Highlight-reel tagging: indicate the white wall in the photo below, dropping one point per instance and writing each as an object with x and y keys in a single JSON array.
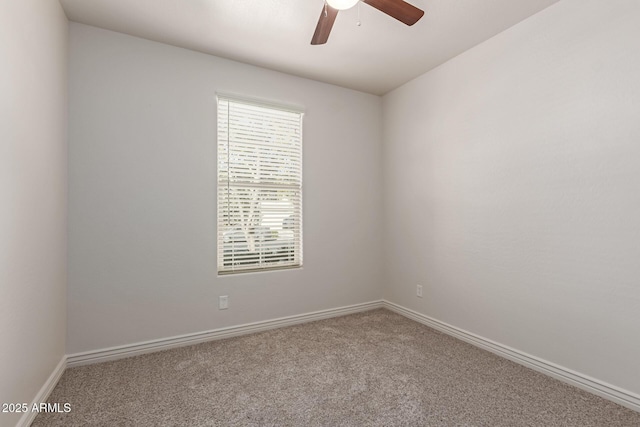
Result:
[
  {"x": 512, "y": 189},
  {"x": 33, "y": 196},
  {"x": 142, "y": 207}
]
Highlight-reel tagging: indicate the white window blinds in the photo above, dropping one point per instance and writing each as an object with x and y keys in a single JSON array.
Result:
[{"x": 259, "y": 187}]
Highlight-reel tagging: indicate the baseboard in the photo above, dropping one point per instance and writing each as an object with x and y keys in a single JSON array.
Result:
[
  {"x": 129, "y": 350},
  {"x": 42, "y": 396},
  {"x": 584, "y": 382}
]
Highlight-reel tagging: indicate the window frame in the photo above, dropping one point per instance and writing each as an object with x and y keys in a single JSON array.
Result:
[{"x": 298, "y": 243}]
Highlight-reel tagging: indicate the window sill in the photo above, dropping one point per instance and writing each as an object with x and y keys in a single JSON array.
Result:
[{"x": 257, "y": 271}]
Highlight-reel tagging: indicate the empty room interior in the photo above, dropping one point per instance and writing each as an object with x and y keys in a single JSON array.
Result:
[{"x": 310, "y": 213}]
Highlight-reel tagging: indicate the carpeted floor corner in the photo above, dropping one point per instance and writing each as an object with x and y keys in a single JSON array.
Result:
[{"x": 370, "y": 369}]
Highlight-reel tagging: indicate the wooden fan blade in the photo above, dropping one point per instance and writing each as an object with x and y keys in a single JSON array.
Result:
[
  {"x": 402, "y": 11},
  {"x": 325, "y": 23}
]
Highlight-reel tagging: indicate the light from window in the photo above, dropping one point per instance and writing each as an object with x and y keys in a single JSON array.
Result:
[{"x": 259, "y": 187}]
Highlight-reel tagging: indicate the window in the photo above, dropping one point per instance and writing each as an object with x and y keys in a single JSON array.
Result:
[{"x": 259, "y": 186}]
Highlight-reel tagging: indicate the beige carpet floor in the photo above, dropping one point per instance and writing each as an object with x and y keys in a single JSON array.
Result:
[{"x": 369, "y": 369}]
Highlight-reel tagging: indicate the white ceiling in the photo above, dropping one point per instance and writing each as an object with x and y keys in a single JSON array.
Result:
[{"x": 375, "y": 57}]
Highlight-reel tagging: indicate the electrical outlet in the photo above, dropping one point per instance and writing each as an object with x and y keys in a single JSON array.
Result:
[
  {"x": 419, "y": 291},
  {"x": 223, "y": 302}
]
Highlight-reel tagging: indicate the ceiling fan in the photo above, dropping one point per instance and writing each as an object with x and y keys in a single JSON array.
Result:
[{"x": 398, "y": 9}]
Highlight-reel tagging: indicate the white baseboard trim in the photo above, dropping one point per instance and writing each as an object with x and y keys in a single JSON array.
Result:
[
  {"x": 584, "y": 382},
  {"x": 42, "y": 396},
  {"x": 113, "y": 353}
]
